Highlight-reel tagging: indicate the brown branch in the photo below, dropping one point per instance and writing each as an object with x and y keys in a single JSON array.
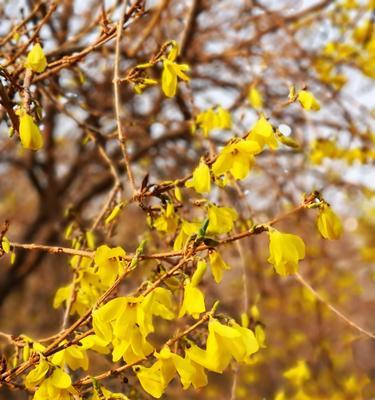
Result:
[
  {"x": 123, "y": 138},
  {"x": 343, "y": 317}
]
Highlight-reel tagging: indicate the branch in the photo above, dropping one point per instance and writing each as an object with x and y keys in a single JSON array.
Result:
[{"x": 116, "y": 80}]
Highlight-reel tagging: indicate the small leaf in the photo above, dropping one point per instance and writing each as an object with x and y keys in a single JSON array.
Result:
[{"x": 114, "y": 213}]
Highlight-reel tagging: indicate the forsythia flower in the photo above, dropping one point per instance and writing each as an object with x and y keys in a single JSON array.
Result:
[
  {"x": 105, "y": 394},
  {"x": 223, "y": 343},
  {"x": 329, "y": 223},
  {"x": 73, "y": 356},
  {"x": 186, "y": 231},
  {"x": 110, "y": 263},
  {"x": 172, "y": 71},
  {"x": 260, "y": 335},
  {"x": 285, "y": 251},
  {"x": 58, "y": 387},
  {"x": 151, "y": 379},
  {"x": 263, "y": 134},
  {"x": 36, "y": 375},
  {"x": 193, "y": 303},
  {"x": 170, "y": 362},
  {"x": 159, "y": 303},
  {"x": 308, "y": 101},
  {"x": 210, "y": 119},
  {"x": 36, "y": 60},
  {"x": 299, "y": 373},
  {"x": 156, "y": 378},
  {"x": 255, "y": 98},
  {"x": 143, "y": 83},
  {"x": 30, "y": 135},
  {"x": 221, "y": 219},
  {"x": 218, "y": 265},
  {"x": 236, "y": 158},
  {"x": 201, "y": 180},
  {"x": 167, "y": 221},
  {"x": 126, "y": 322}
]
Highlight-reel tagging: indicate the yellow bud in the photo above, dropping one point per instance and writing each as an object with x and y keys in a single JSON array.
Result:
[
  {"x": 255, "y": 98},
  {"x": 36, "y": 60},
  {"x": 308, "y": 101},
  {"x": 199, "y": 272},
  {"x": 30, "y": 135}
]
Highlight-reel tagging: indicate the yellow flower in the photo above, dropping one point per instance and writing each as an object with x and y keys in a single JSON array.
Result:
[
  {"x": 187, "y": 229},
  {"x": 210, "y": 119},
  {"x": 308, "y": 101},
  {"x": 260, "y": 335},
  {"x": 218, "y": 265},
  {"x": 159, "y": 302},
  {"x": 105, "y": 394},
  {"x": 73, "y": 356},
  {"x": 167, "y": 221},
  {"x": 329, "y": 223},
  {"x": 151, "y": 379},
  {"x": 189, "y": 372},
  {"x": 36, "y": 375},
  {"x": 223, "y": 118},
  {"x": 143, "y": 83},
  {"x": 36, "y": 60},
  {"x": 30, "y": 347},
  {"x": 201, "y": 180},
  {"x": 285, "y": 251},
  {"x": 110, "y": 262},
  {"x": 237, "y": 158},
  {"x": 299, "y": 373},
  {"x": 221, "y": 219},
  {"x": 255, "y": 98},
  {"x": 127, "y": 321},
  {"x": 223, "y": 343},
  {"x": 30, "y": 135},
  {"x": 172, "y": 71},
  {"x": 263, "y": 134},
  {"x": 170, "y": 363},
  {"x": 131, "y": 349},
  {"x": 58, "y": 386},
  {"x": 193, "y": 303},
  {"x": 95, "y": 343}
]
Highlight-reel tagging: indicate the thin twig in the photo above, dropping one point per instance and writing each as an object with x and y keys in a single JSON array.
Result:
[
  {"x": 116, "y": 81},
  {"x": 319, "y": 297}
]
